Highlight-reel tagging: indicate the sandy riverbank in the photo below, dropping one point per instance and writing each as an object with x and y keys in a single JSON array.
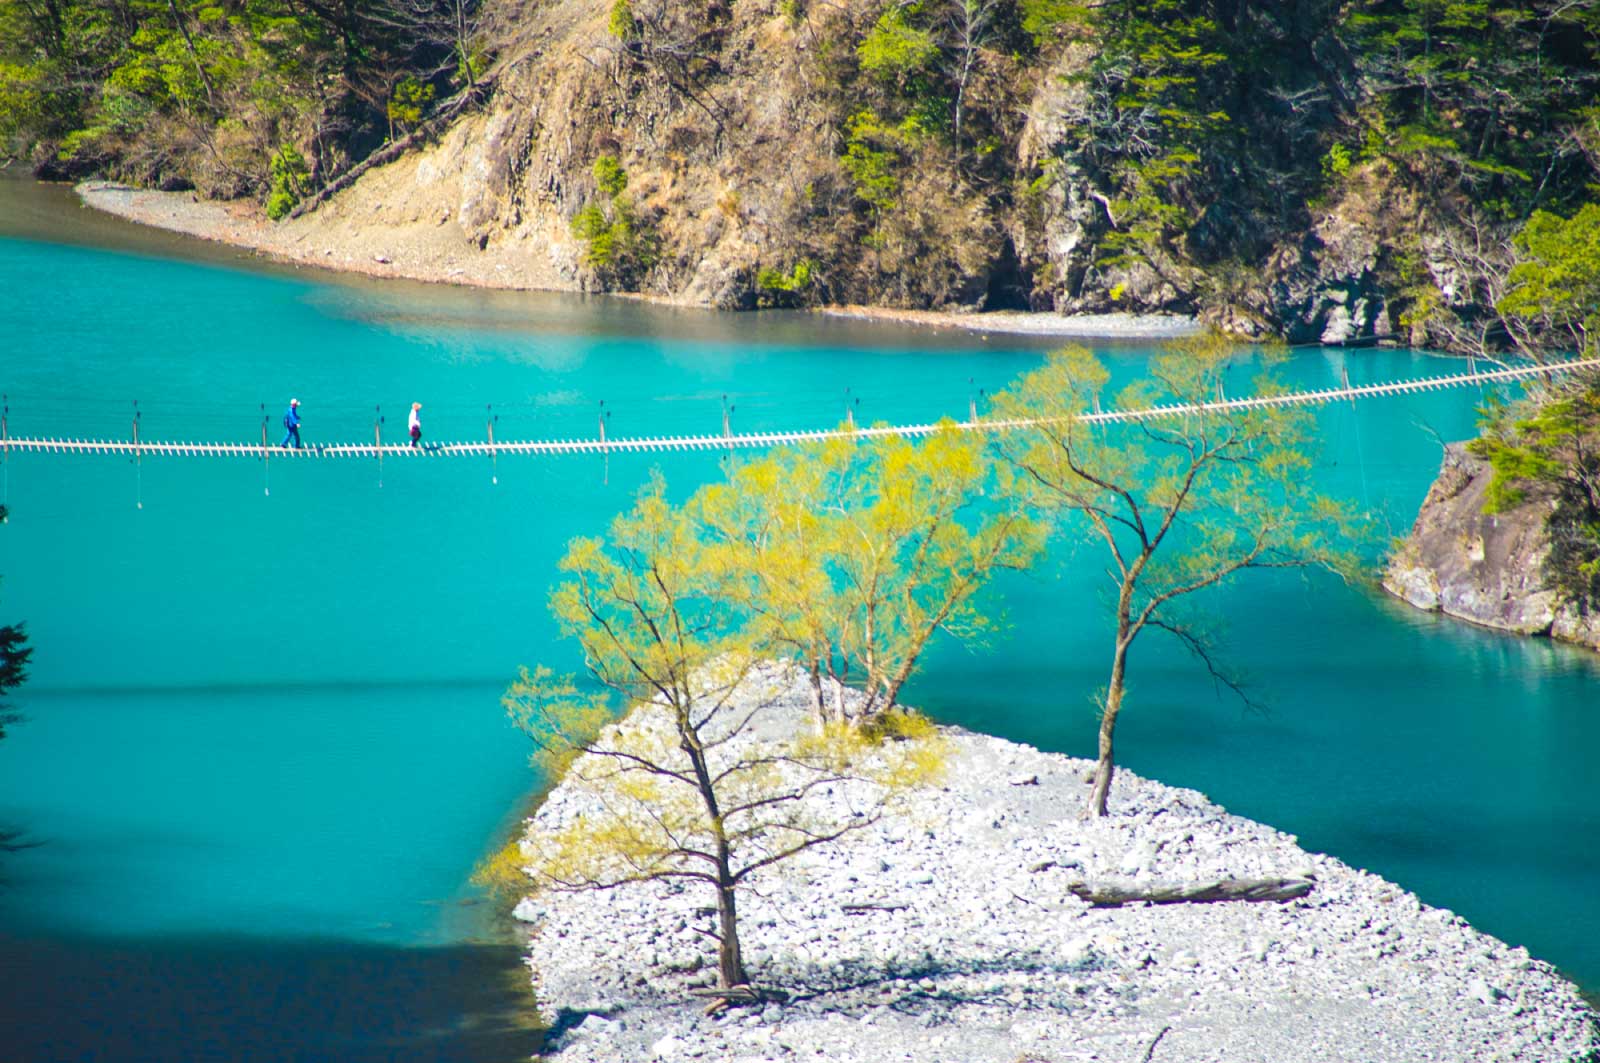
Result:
[
  {"x": 325, "y": 240},
  {"x": 951, "y": 934},
  {"x": 434, "y": 251}
]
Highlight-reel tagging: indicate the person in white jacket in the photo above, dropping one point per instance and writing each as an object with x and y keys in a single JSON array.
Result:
[{"x": 415, "y": 424}]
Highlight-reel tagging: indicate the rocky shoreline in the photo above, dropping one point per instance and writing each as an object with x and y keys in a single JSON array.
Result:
[
  {"x": 431, "y": 253},
  {"x": 1481, "y": 567},
  {"x": 951, "y": 933}
]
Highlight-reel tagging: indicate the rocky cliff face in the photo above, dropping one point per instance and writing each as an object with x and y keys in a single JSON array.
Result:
[
  {"x": 1320, "y": 280},
  {"x": 718, "y": 178},
  {"x": 1486, "y": 568},
  {"x": 742, "y": 161},
  {"x": 1270, "y": 168}
]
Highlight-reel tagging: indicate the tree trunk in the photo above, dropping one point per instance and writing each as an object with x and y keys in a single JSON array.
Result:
[
  {"x": 1106, "y": 767},
  {"x": 462, "y": 34},
  {"x": 818, "y": 705},
  {"x": 730, "y": 961},
  {"x": 839, "y": 713},
  {"x": 199, "y": 67}
]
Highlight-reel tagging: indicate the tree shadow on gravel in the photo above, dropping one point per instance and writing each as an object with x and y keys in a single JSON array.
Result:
[{"x": 832, "y": 984}]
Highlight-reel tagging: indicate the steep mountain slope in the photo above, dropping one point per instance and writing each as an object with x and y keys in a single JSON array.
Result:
[
  {"x": 1323, "y": 170},
  {"x": 1289, "y": 172}
]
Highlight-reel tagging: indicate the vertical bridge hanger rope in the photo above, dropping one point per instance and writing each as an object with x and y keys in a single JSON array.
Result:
[{"x": 606, "y": 444}]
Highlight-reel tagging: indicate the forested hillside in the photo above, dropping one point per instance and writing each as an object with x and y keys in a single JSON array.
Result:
[
  {"x": 234, "y": 99},
  {"x": 1319, "y": 169}
]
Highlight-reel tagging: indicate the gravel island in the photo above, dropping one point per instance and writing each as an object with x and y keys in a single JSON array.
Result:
[{"x": 952, "y": 933}]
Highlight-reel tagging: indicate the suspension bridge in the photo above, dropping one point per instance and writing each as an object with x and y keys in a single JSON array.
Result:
[{"x": 727, "y": 440}]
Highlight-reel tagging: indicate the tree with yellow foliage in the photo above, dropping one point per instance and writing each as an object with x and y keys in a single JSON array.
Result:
[
  {"x": 852, "y": 555},
  {"x": 1176, "y": 504},
  {"x": 702, "y": 780}
]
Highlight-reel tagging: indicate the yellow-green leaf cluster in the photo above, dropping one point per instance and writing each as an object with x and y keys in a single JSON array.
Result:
[{"x": 851, "y": 556}]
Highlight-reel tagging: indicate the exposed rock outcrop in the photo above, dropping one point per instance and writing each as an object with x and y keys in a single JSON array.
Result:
[
  {"x": 1486, "y": 568},
  {"x": 1323, "y": 285}
]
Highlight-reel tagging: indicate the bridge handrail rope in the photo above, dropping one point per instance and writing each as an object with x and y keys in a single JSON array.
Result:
[{"x": 491, "y": 447}]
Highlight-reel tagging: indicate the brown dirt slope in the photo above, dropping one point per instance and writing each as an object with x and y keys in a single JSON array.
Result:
[{"x": 719, "y": 170}]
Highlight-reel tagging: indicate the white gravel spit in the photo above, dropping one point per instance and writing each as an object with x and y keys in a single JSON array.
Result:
[
  {"x": 1117, "y": 325},
  {"x": 949, "y": 935}
]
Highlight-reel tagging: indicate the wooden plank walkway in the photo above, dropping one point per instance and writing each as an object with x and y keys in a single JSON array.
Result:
[{"x": 661, "y": 444}]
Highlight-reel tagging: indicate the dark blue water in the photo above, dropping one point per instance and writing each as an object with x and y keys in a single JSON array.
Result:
[{"x": 265, "y": 746}]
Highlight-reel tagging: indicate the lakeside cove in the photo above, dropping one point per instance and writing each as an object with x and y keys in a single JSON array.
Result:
[{"x": 949, "y": 932}]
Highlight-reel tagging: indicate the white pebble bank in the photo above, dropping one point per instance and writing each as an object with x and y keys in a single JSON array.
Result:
[{"x": 949, "y": 934}]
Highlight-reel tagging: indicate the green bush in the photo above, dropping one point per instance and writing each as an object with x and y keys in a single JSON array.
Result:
[
  {"x": 279, "y": 204},
  {"x": 618, "y": 245},
  {"x": 622, "y": 25},
  {"x": 290, "y": 177},
  {"x": 871, "y": 160},
  {"x": 774, "y": 287},
  {"x": 1042, "y": 18},
  {"x": 609, "y": 175},
  {"x": 595, "y": 230},
  {"x": 894, "y": 49},
  {"x": 1337, "y": 162},
  {"x": 411, "y": 97}
]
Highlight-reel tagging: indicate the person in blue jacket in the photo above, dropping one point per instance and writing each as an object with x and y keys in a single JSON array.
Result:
[{"x": 291, "y": 421}]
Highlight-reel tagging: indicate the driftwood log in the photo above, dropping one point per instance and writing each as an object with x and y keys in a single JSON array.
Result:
[{"x": 1112, "y": 895}]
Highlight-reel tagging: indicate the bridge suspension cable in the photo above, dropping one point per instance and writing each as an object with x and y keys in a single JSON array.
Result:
[{"x": 139, "y": 447}]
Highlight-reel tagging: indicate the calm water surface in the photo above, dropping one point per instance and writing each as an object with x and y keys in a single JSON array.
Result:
[{"x": 264, "y": 745}]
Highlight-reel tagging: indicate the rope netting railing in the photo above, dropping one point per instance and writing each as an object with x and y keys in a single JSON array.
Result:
[{"x": 601, "y": 444}]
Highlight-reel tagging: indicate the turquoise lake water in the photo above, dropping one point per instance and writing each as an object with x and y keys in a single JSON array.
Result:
[{"x": 264, "y": 745}]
